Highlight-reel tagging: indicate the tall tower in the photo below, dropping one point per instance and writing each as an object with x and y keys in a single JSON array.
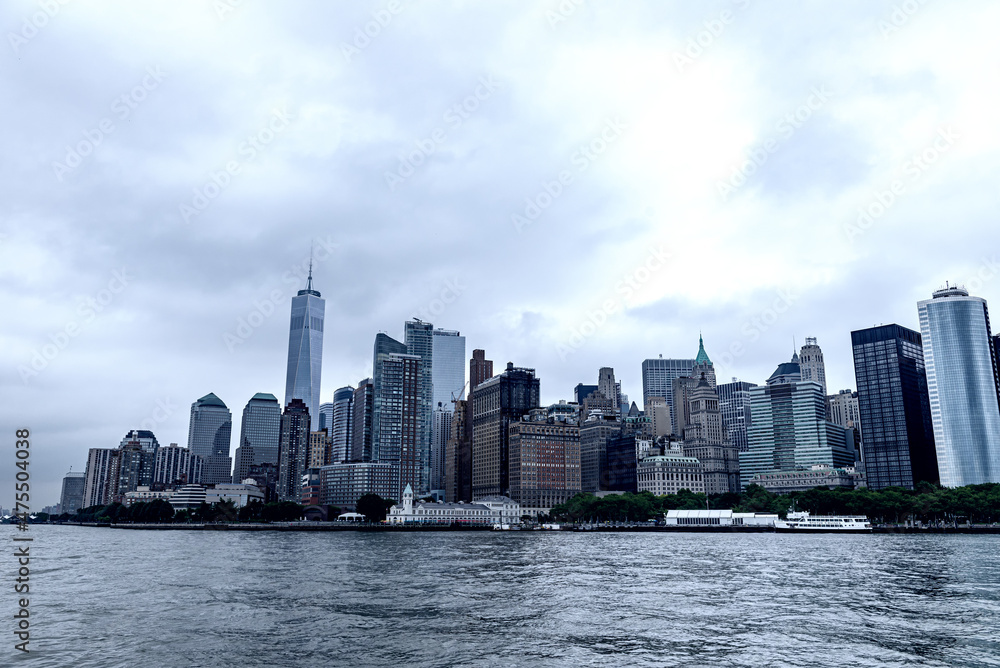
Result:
[
  {"x": 385, "y": 346},
  {"x": 658, "y": 380},
  {"x": 294, "y": 449},
  {"x": 962, "y": 386},
  {"x": 706, "y": 438},
  {"x": 400, "y": 417},
  {"x": 305, "y": 349},
  {"x": 606, "y": 385},
  {"x": 260, "y": 431},
  {"x": 811, "y": 363},
  {"x": 419, "y": 338},
  {"x": 209, "y": 436},
  {"x": 703, "y": 365},
  {"x": 361, "y": 422}
]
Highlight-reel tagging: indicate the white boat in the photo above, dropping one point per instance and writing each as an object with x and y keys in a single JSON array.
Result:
[{"x": 803, "y": 522}]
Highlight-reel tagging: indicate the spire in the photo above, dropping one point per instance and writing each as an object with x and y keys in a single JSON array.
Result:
[
  {"x": 309, "y": 281},
  {"x": 702, "y": 357}
]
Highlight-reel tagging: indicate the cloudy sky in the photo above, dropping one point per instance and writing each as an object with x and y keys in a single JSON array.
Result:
[{"x": 571, "y": 185}]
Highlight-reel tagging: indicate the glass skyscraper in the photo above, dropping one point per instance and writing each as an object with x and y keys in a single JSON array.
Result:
[
  {"x": 305, "y": 350},
  {"x": 898, "y": 443},
  {"x": 385, "y": 346},
  {"x": 962, "y": 386},
  {"x": 260, "y": 432},
  {"x": 658, "y": 378},
  {"x": 340, "y": 427},
  {"x": 419, "y": 338},
  {"x": 447, "y": 367},
  {"x": 209, "y": 436},
  {"x": 734, "y": 403}
]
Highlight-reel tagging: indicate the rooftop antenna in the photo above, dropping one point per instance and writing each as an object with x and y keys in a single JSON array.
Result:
[{"x": 309, "y": 285}]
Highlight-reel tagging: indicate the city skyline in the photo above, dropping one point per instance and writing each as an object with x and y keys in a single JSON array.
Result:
[{"x": 595, "y": 197}]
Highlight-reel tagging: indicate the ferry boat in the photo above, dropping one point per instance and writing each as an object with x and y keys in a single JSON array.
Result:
[{"x": 803, "y": 522}]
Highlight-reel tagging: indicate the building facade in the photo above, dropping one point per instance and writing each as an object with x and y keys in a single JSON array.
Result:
[
  {"x": 293, "y": 450},
  {"x": 544, "y": 462},
  {"x": 705, "y": 439},
  {"x": 73, "y": 487},
  {"x": 489, "y": 511},
  {"x": 961, "y": 386},
  {"x": 669, "y": 474},
  {"x": 811, "y": 364},
  {"x": 175, "y": 465},
  {"x": 595, "y": 432},
  {"x": 734, "y": 404},
  {"x": 305, "y": 350},
  {"x": 401, "y": 411},
  {"x": 343, "y": 484},
  {"x": 260, "y": 433},
  {"x": 210, "y": 432},
  {"x": 362, "y": 407},
  {"x": 658, "y": 379},
  {"x": 786, "y": 482},
  {"x": 341, "y": 429},
  {"x": 419, "y": 339},
  {"x": 384, "y": 347}
]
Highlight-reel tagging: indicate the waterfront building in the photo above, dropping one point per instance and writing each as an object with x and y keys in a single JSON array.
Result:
[
  {"x": 362, "y": 411},
  {"x": 384, "y": 346},
  {"x": 265, "y": 477},
  {"x": 311, "y": 487},
  {"x": 188, "y": 497},
  {"x": 544, "y": 461},
  {"x": 485, "y": 512},
  {"x": 174, "y": 465},
  {"x": 209, "y": 436},
  {"x": 669, "y": 473},
  {"x": 595, "y": 432},
  {"x": 581, "y": 392},
  {"x": 400, "y": 415},
  {"x": 102, "y": 477},
  {"x": 789, "y": 429},
  {"x": 145, "y": 494},
  {"x": 811, "y": 366},
  {"x": 440, "y": 434},
  {"x": 419, "y": 339},
  {"x": 240, "y": 494},
  {"x": 705, "y": 439},
  {"x": 73, "y": 487},
  {"x": 734, "y": 404},
  {"x": 707, "y": 518},
  {"x": 962, "y": 386},
  {"x": 293, "y": 449},
  {"x": 319, "y": 447},
  {"x": 497, "y": 403},
  {"x": 136, "y": 460},
  {"x": 786, "y": 482},
  {"x": 305, "y": 350},
  {"x": 341, "y": 485},
  {"x": 260, "y": 433},
  {"x": 340, "y": 428},
  {"x": 658, "y": 377}
]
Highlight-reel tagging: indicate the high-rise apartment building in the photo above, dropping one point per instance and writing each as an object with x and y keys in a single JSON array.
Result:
[
  {"x": 458, "y": 472},
  {"x": 658, "y": 380},
  {"x": 73, "y": 486},
  {"x": 293, "y": 450},
  {"x": 136, "y": 460},
  {"x": 440, "y": 433},
  {"x": 260, "y": 433},
  {"x": 811, "y": 365},
  {"x": 326, "y": 416},
  {"x": 962, "y": 386},
  {"x": 401, "y": 410},
  {"x": 480, "y": 370},
  {"x": 497, "y": 403},
  {"x": 319, "y": 449},
  {"x": 362, "y": 409},
  {"x": 102, "y": 477},
  {"x": 305, "y": 350},
  {"x": 419, "y": 339},
  {"x": 893, "y": 407},
  {"x": 385, "y": 346},
  {"x": 209, "y": 436},
  {"x": 544, "y": 461},
  {"x": 175, "y": 465},
  {"x": 340, "y": 429},
  {"x": 734, "y": 404}
]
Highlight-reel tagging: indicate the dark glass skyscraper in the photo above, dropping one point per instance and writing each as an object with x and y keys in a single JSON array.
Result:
[
  {"x": 419, "y": 338},
  {"x": 898, "y": 447},
  {"x": 385, "y": 345},
  {"x": 339, "y": 430},
  {"x": 305, "y": 350},
  {"x": 260, "y": 432},
  {"x": 658, "y": 377},
  {"x": 362, "y": 407},
  {"x": 293, "y": 450},
  {"x": 400, "y": 416},
  {"x": 209, "y": 436},
  {"x": 734, "y": 403}
]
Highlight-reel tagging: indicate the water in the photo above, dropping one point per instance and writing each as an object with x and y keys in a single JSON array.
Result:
[{"x": 102, "y": 597}]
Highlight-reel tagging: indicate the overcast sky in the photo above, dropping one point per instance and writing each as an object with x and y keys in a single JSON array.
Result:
[{"x": 571, "y": 185}]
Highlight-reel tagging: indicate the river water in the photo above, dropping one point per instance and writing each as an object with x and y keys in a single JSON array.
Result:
[{"x": 106, "y": 597}]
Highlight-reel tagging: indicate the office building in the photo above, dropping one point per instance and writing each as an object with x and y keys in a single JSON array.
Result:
[
  {"x": 458, "y": 472},
  {"x": 581, "y": 392},
  {"x": 670, "y": 473},
  {"x": 659, "y": 412},
  {"x": 440, "y": 433},
  {"x": 447, "y": 367},
  {"x": 260, "y": 432},
  {"x": 305, "y": 350},
  {"x": 705, "y": 439},
  {"x": 497, "y": 403},
  {"x": 607, "y": 386},
  {"x": 811, "y": 365},
  {"x": 595, "y": 432},
  {"x": 734, "y": 404},
  {"x": 623, "y": 455},
  {"x": 658, "y": 380},
  {"x": 786, "y": 482},
  {"x": 341, "y": 429},
  {"x": 319, "y": 448},
  {"x": 544, "y": 461},
  {"x": 174, "y": 465},
  {"x": 961, "y": 386},
  {"x": 73, "y": 487},
  {"x": 326, "y": 415},
  {"x": 341, "y": 485},
  {"x": 209, "y": 436},
  {"x": 293, "y": 450},
  {"x": 844, "y": 409},
  {"x": 362, "y": 410},
  {"x": 480, "y": 370},
  {"x": 703, "y": 365}
]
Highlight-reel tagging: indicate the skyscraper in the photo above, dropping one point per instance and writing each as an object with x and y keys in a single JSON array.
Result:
[
  {"x": 734, "y": 404},
  {"x": 497, "y": 403},
  {"x": 961, "y": 386},
  {"x": 326, "y": 415},
  {"x": 293, "y": 450},
  {"x": 544, "y": 461},
  {"x": 789, "y": 430},
  {"x": 440, "y": 434},
  {"x": 385, "y": 345},
  {"x": 480, "y": 370},
  {"x": 305, "y": 350},
  {"x": 209, "y": 436},
  {"x": 102, "y": 477},
  {"x": 71, "y": 498},
  {"x": 419, "y": 339},
  {"x": 175, "y": 465},
  {"x": 658, "y": 378},
  {"x": 893, "y": 407},
  {"x": 340, "y": 429},
  {"x": 811, "y": 364},
  {"x": 400, "y": 416},
  {"x": 703, "y": 365},
  {"x": 607, "y": 386},
  {"x": 705, "y": 438},
  {"x": 595, "y": 432},
  {"x": 362, "y": 407},
  {"x": 447, "y": 367},
  {"x": 260, "y": 433},
  {"x": 136, "y": 460},
  {"x": 845, "y": 410}
]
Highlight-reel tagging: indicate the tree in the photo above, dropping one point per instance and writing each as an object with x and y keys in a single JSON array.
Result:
[{"x": 373, "y": 507}]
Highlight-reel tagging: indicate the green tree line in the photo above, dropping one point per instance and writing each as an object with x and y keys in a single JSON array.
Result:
[
  {"x": 927, "y": 503},
  {"x": 160, "y": 511}
]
